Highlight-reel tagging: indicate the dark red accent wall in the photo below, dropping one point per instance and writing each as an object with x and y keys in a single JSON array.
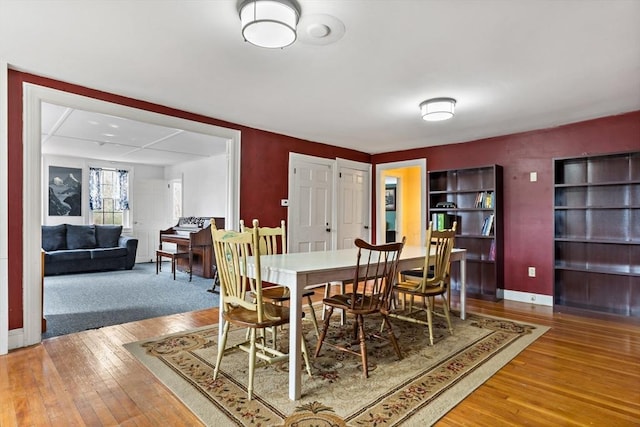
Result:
[
  {"x": 528, "y": 216},
  {"x": 528, "y": 222},
  {"x": 263, "y": 182}
]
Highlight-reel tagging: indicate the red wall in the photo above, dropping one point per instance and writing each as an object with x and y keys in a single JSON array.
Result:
[
  {"x": 263, "y": 182},
  {"x": 528, "y": 213},
  {"x": 528, "y": 222}
]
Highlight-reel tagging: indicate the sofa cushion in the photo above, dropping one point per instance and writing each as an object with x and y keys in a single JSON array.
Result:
[
  {"x": 108, "y": 253},
  {"x": 81, "y": 237},
  {"x": 66, "y": 255},
  {"x": 107, "y": 235},
  {"x": 54, "y": 237}
]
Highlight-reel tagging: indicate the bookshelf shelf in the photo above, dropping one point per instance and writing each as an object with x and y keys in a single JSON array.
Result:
[
  {"x": 597, "y": 233},
  {"x": 476, "y": 194}
]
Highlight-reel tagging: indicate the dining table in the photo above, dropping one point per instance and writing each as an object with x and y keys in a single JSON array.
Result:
[{"x": 301, "y": 270}]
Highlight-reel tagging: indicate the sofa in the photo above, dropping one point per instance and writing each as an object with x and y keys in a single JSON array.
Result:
[{"x": 81, "y": 248}]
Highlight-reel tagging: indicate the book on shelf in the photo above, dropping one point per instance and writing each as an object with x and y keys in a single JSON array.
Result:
[
  {"x": 488, "y": 200},
  {"x": 492, "y": 251},
  {"x": 479, "y": 200},
  {"x": 442, "y": 221},
  {"x": 487, "y": 225}
]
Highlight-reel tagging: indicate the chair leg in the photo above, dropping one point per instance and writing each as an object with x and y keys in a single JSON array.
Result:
[
  {"x": 314, "y": 319},
  {"x": 305, "y": 355},
  {"x": 430, "y": 318},
  {"x": 221, "y": 346},
  {"x": 363, "y": 345},
  {"x": 392, "y": 336},
  {"x": 445, "y": 305},
  {"x": 325, "y": 327},
  {"x": 252, "y": 362}
]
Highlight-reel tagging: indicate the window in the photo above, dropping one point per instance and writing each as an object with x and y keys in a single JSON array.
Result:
[{"x": 109, "y": 196}]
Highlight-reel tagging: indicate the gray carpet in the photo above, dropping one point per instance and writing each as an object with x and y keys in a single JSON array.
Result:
[{"x": 77, "y": 302}]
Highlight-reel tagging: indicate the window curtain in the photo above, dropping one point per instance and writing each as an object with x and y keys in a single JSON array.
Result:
[
  {"x": 122, "y": 190},
  {"x": 95, "y": 189}
]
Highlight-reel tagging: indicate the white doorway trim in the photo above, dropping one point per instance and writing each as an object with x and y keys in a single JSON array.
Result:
[
  {"x": 4, "y": 210},
  {"x": 380, "y": 209},
  {"x": 34, "y": 95}
]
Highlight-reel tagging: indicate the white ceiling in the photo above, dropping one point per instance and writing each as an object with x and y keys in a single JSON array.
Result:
[
  {"x": 77, "y": 133},
  {"x": 512, "y": 65}
]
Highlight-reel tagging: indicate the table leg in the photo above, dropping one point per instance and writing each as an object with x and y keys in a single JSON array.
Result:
[
  {"x": 463, "y": 286},
  {"x": 295, "y": 343}
]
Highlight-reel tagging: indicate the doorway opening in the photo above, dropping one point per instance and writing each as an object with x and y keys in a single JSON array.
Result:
[
  {"x": 405, "y": 215},
  {"x": 32, "y": 214}
]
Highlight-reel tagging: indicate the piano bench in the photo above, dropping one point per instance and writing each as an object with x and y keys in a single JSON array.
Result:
[{"x": 173, "y": 255}]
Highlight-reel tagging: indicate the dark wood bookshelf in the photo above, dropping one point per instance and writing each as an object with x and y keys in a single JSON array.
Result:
[
  {"x": 597, "y": 233},
  {"x": 462, "y": 188}
]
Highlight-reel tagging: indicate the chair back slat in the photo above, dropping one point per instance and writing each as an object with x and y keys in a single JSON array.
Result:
[
  {"x": 440, "y": 244},
  {"x": 272, "y": 240},
  {"x": 232, "y": 248},
  {"x": 375, "y": 274}
]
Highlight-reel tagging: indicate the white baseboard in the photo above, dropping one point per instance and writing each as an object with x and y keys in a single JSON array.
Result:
[
  {"x": 16, "y": 338},
  {"x": 531, "y": 298}
]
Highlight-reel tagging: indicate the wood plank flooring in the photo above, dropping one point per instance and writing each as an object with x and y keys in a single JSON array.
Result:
[{"x": 584, "y": 371}]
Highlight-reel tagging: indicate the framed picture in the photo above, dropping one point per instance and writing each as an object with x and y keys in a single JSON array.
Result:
[
  {"x": 65, "y": 191},
  {"x": 390, "y": 198}
]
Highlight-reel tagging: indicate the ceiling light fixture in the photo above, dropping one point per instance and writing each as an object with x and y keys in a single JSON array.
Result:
[
  {"x": 269, "y": 23},
  {"x": 437, "y": 109}
]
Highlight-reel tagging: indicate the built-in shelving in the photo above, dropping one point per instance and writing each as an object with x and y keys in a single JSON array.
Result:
[
  {"x": 597, "y": 233},
  {"x": 473, "y": 198}
]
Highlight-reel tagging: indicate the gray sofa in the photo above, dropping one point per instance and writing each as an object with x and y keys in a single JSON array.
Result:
[{"x": 81, "y": 248}]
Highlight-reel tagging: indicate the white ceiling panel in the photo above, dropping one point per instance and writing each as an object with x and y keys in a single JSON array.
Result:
[
  {"x": 84, "y": 134},
  {"x": 193, "y": 143}
]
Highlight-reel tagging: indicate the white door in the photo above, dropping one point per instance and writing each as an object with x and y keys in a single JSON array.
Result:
[
  {"x": 151, "y": 213},
  {"x": 353, "y": 206},
  {"x": 310, "y": 201}
]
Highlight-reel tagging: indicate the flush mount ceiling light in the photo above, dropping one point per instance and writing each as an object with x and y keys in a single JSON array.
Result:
[
  {"x": 437, "y": 109},
  {"x": 269, "y": 23}
]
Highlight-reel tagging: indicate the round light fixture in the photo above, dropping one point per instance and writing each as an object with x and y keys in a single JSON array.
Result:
[
  {"x": 437, "y": 109},
  {"x": 269, "y": 23}
]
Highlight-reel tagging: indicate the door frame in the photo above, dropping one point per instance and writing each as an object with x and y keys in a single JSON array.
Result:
[
  {"x": 379, "y": 196},
  {"x": 4, "y": 209},
  {"x": 33, "y": 96}
]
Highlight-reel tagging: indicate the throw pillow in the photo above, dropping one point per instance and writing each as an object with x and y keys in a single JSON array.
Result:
[
  {"x": 54, "y": 237},
  {"x": 107, "y": 236},
  {"x": 81, "y": 236}
]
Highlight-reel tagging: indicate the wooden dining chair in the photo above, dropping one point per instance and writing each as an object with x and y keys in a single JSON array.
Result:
[
  {"x": 434, "y": 282},
  {"x": 231, "y": 250},
  {"x": 373, "y": 280},
  {"x": 273, "y": 240}
]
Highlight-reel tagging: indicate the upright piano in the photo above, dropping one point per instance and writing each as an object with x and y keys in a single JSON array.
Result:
[{"x": 193, "y": 235}]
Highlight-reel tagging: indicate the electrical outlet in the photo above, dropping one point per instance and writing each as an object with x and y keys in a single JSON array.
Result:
[{"x": 532, "y": 272}]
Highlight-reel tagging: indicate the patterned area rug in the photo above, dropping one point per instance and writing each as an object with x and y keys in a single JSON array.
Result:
[{"x": 417, "y": 390}]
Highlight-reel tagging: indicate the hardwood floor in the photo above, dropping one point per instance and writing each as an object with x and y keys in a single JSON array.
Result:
[{"x": 584, "y": 371}]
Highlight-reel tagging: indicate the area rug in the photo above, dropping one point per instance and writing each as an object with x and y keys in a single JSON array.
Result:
[{"x": 417, "y": 390}]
